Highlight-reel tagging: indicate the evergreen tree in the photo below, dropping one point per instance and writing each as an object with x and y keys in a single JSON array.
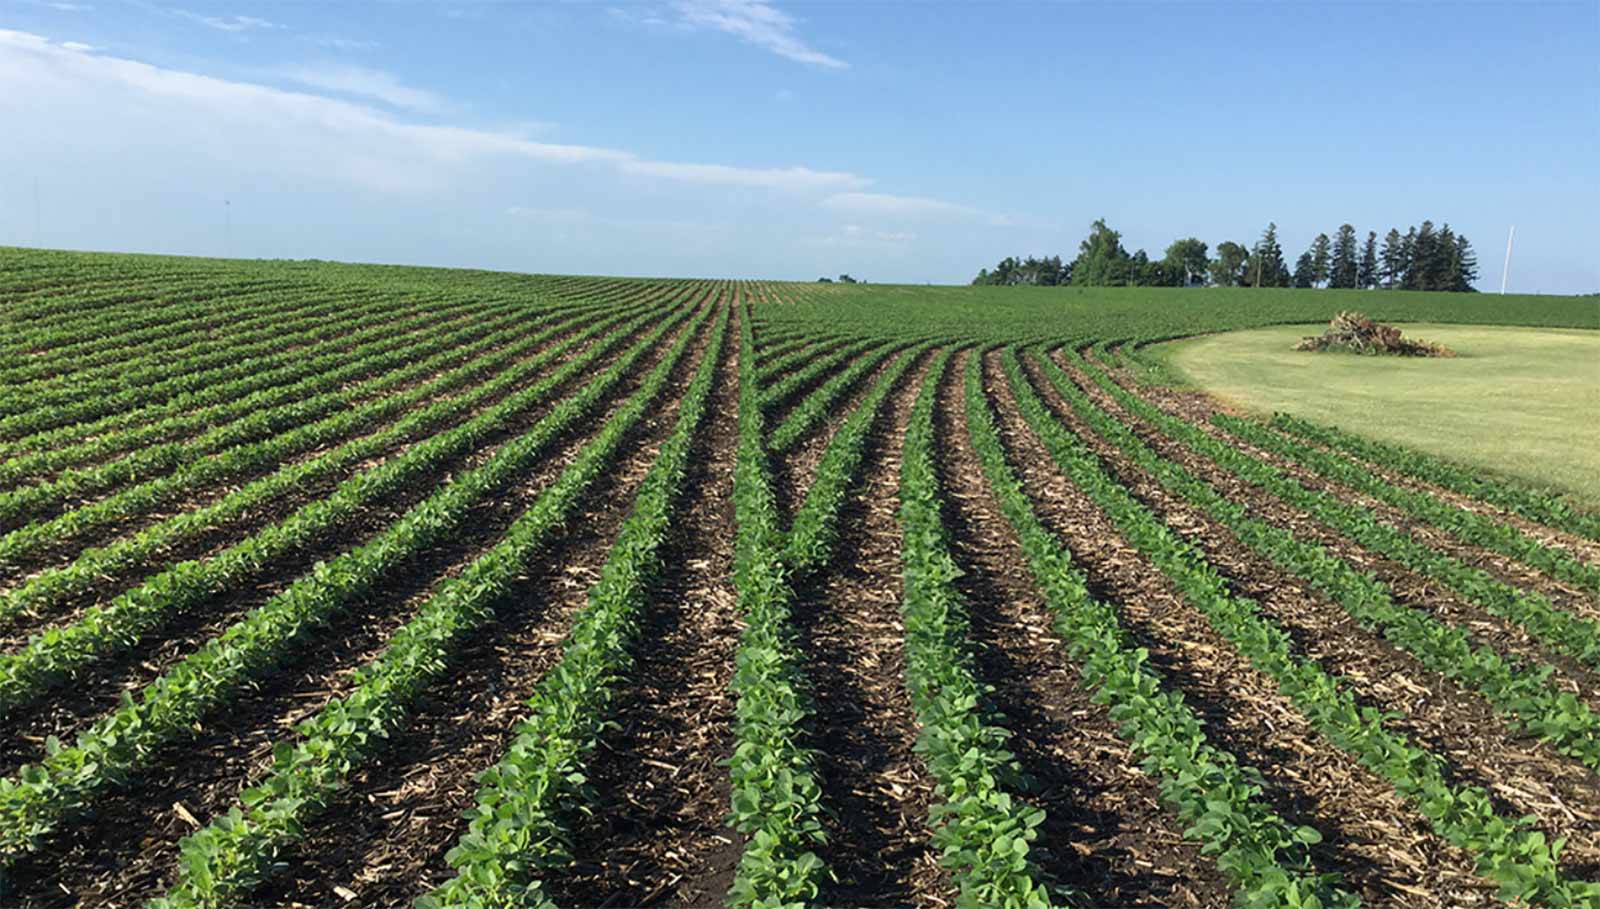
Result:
[
  {"x": 1408, "y": 260},
  {"x": 1319, "y": 259},
  {"x": 1424, "y": 256},
  {"x": 1466, "y": 266},
  {"x": 1267, "y": 260},
  {"x": 1229, "y": 268},
  {"x": 1442, "y": 264},
  {"x": 1305, "y": 270},
  {"x": 1367, "y": 273},
  {"x": 1342, "y": 272},
  {"x": 1394, "y": 259}
]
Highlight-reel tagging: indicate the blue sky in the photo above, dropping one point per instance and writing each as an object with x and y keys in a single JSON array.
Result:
[{"x": 895, "y": 141}]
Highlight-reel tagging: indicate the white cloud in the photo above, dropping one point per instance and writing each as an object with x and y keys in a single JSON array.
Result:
[
  {"x": 345, "y": 79},
  {"x": 341, "y": 44},
  {"x": 79, "y": 46},
  {"x": 71, "y": 7},
  {"x": 255, "y": 128},
  {"x": 913, "y": 207},
  {"x": 755, "y": 22},
  {"x": 225, "y": 23}
]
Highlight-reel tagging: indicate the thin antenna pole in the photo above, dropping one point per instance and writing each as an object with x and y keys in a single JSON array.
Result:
[{"x": 1505, "y": 271}]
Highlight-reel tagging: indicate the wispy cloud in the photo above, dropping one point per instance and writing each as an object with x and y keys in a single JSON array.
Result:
[
  {"x": 341, "y": 44},
  {"x": 328, "y": 137},
  {"x": 361, "y": 81},
  {"x": 756, "y": 22},
  {"x": 906, "y": 207},
  {"x": 79, "y": 46},
  {"x": 225, "y": 23}
]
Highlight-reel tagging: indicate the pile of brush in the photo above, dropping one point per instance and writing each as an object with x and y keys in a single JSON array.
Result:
[{"x": 1355, "y": 333}]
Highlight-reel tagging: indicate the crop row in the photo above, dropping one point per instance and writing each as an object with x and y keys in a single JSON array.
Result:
[
  {"x": 1218, "y": 798},
  {"x": 117, "y": 746},
  {"x": 1467, "y": 525},
  {"x": 813, "y": 531},
  {"x": 232, "y": 401},
  {"x": 60, "y": 652},
  {"x": 816, "y": 407},
  {"x": 1524, "y": 694},
  {"x": 375, "y": 356},
  {"x": 1508, "y": 851},
  {"x": 779, "y": 392},
  {"x": 296, "y": 322},
  {"x": 226, "y": 466},
  {"x": 222, "y": 862},
  {"x": 776, "y": 799},
  {"x": 519, "y": 823},
  {"x": 1530, "y": 503},
  {"x": 1570, "y": 634},
  {"x": 983, "y": 831}
]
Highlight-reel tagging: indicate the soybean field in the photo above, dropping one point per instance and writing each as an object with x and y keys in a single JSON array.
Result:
[{"x": 346, "y": 585}]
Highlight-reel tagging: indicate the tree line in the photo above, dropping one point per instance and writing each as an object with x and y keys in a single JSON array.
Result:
[{"x": 1423, "y": 258}]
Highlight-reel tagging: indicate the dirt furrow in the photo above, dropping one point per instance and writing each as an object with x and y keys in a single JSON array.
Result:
[
  {"x": 97, "y": 861},
  {"x": 874, "y": 787},
  {"x": 1386, "y": 852},
  {"x": 1106, "y": 833},
  {"x": 1529, "y": 778},
  {"x": 658, "y": 837}
]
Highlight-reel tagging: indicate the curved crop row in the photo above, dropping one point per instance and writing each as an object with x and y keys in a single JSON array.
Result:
[
  {"x": 42, "y": 796},
  {"x": 1508, "y": 851},
  {"x": 1530, "y": 503},
  {"x": 383, "y": 357},
  {"x": 790, "y": 385},
  {"x": 1523, "y": 694},
  {"x": 1570, "y": 634},
  {"x": 789, "y": 356},
  {"x": 816, "y": 407},
  {"x": 228, "y": 465},
  {"x": 269, "y": 341},
  {"x": 223, "y": 861},
  {"x": 61, "y": 652},
  {"x": 384, "y": 367},
  {"x": 123, "y": 432},
  {"x": 62, "y": 371},
  {"x": 1466, "y": 525},
  {"x": 1219, "y": 799},
  {"x": 815, "y": 526}
]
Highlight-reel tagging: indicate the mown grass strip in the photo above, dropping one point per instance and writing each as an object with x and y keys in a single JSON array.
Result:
[
  {"x": 220, "y": 864},
  {"x": 1509, "y": 852},
  {"x": 35, "y": 802}
]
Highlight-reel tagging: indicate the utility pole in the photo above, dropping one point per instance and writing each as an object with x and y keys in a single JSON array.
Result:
[{"x": 1505, "y": 271}]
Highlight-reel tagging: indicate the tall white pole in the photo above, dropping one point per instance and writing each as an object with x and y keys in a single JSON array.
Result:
[{"x": 1505, "y": 271}]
